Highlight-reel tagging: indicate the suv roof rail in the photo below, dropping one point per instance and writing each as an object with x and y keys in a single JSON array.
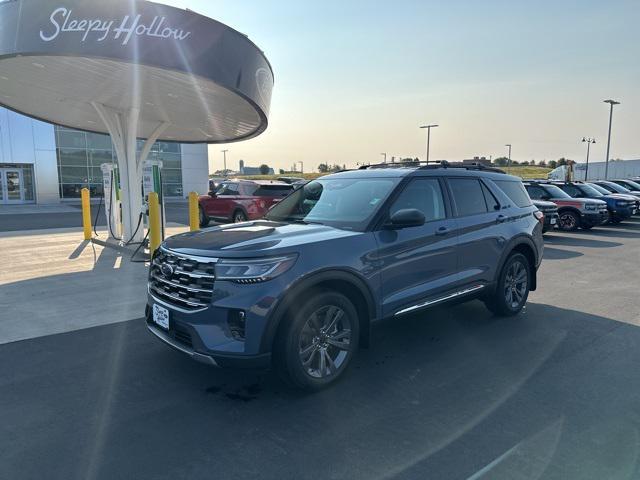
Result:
[{"x": 434, "y": 165}]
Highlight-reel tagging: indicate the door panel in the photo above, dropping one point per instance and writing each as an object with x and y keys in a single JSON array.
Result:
[
  {"x": 481, "y": 224},
  {"x": 418, "y": 263}
]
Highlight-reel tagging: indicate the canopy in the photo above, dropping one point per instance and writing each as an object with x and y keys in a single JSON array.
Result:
[{"x": 132, "y": 69}]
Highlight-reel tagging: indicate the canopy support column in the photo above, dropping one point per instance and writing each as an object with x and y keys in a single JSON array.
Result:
[{"x": 123, "y": 128}]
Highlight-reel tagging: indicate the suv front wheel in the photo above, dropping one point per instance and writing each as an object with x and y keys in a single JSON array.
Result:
[
  {"x": 512, "y": 290},
  {"x": 568, "y": 221},
  {"x": 317, "y": 343}
]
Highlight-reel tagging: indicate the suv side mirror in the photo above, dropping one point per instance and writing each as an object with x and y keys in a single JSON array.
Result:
[
  {"x": 407, "y": 217},
  {"x": 212, "y": 194}
]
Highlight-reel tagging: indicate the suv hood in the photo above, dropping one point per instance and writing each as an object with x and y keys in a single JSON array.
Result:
[
  {"x": 578, "y": 201},
  {"x": 541, "y": 204},
  {"x": 252, "y": 239}
]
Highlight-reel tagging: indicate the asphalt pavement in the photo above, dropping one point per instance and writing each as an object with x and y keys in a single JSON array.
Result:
[{"x": 451, "y": 393}]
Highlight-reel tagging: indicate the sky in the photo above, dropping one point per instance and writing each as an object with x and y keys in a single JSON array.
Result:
[{"x": 354, "y": 79}]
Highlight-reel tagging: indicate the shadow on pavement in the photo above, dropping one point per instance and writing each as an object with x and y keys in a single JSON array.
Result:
[
  {"x": 551, "y": 253},
  {"x": 446, "y": 394},
  {"x": 579, "y": 241}
]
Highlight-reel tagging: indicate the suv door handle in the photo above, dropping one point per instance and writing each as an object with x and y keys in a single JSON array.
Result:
[
  {"x": 443, "y": 231},
  {"x": 501, "y": 219}
]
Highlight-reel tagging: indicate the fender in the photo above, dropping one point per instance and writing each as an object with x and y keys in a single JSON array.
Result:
[
  {"x": 571, "y": 208},
  {"x": 513, "y": 243},
  {"x": 308, "y": 282}
]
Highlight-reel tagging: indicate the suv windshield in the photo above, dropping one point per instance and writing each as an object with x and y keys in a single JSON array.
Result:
[
  {"x": 555, "y": 192},
  {"x": 339, "y": 202},
  {"x": 614, "y": 187},
  {"x": 598, "y": 188},
  {"x": 589, "y": 191}
]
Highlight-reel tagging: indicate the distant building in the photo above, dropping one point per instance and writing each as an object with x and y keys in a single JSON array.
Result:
[
  {"x": 478, "y": 160},
  {"x": 252, "y": 170}
]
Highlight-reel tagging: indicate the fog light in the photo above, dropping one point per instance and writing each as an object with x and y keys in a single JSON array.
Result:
[{"x": 236, "y": 323}]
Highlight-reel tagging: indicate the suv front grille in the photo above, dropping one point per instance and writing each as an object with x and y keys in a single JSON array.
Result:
[{"x": 187, "y": 282}]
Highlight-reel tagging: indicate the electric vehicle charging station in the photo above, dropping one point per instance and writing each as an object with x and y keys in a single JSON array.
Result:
[
  {"x": 111, "y": 187},
  {"x": 132, "y": 69},
  {"x": 152, "y": 182}
]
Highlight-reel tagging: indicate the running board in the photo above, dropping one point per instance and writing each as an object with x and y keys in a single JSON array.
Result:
[{"x": 460, "y": 293}]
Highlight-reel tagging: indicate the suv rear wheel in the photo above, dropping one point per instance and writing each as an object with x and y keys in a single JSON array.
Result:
[
  {"x": 568, "y": 221},
  {"x": 317, "y": 344},
  {"x": 512, "y": 290}
]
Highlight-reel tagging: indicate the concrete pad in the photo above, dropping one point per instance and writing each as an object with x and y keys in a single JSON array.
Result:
[
  {"x": 52, "y": 282},
  {"x": 37, "y": 209}
]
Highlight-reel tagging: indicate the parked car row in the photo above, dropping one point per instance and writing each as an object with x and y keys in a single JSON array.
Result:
[{"x": 584, "y": 204}]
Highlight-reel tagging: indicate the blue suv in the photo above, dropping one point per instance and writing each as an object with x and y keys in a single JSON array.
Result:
[{"x": 300, "y": 288}]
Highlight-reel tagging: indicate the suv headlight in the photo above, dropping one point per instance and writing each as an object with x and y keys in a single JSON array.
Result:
[
  {"x": 622, "y": 203},
  {"x": 590, "y": 207},
  {"x": 253, "y": 270}
]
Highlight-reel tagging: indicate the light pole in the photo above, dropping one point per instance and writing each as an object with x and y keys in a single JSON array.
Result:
[
  {"x": 606, "y": 165},
  {"x": 385, "y": 157},
  {"x": 589, "y": 141},
  {"x": 224, "y": 153},
  {"x": 508, "y": 145},
  {"x": 428, "y": 127},
  {"x": 301, "y": 167}
]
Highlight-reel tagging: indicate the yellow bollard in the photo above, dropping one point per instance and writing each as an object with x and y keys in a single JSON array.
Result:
[
  {"x": 194, "y": 218},
  {"x": 86, "y": 214},
  {"x": 155, "y": 229}
]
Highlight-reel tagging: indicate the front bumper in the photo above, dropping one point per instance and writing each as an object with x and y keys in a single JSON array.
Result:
[
  {"x": 622, "y": 213},
  {"x": 208, "y": 336},
  {"x": 594, "y": 218},
  {"x": 550, "y": 221}
]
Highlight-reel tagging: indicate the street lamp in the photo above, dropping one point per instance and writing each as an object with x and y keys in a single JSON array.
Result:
[
  {"x": 606, "y": 165},
  {"x": 224, "y": 152},
  {"x": 301, "y": 166},
  {"x": 508, "y": 145},
  {"x": 428, "y": 127},
  {"x": 588, "y": 141}
]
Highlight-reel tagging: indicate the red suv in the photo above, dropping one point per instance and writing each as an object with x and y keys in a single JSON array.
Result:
[{"x": 241, "y": 200}]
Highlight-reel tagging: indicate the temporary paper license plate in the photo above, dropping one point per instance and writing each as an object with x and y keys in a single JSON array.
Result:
[
  {"x": 553, "y": 221},
  {"x": 161, "y": 316}
]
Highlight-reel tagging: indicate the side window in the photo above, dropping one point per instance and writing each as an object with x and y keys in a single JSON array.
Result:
[
  {"x": 227, "y": 189},
  {"x": 536, "y": 193},
  {"x": 571, "y": 190},
  {"x": 489, "y": 198},
  {"x": 468, "y": 196},
  {"x": 423, "y": 194},
  {"x": 515, "y": 191}
]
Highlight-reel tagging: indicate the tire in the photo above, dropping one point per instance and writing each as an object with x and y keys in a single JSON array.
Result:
[
  {"x": 512, "y": 290},
  {"x": 315, "y": 346},
  {"x": 204, "y": 220},
  {"x": 239, "y": 216},
  {"x": 568, "y": 221}
]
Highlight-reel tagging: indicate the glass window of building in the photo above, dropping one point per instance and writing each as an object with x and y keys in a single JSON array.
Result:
[{"x": 80, "y": 155}]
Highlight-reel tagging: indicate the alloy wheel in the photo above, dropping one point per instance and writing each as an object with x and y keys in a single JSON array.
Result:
[
  {"x": 568, "y": 221},
  {"x": 515, "y": 284},
  {"x": 325, "y": 342}
]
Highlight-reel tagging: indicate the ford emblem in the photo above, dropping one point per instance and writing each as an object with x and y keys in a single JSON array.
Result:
[{"x": 167, "y": 271}]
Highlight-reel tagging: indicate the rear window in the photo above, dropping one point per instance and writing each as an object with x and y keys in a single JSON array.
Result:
[
  {"x": 273, "y": 190},
  {"x": 515, "y": 191},
  {"x": 468, "y": 196}
]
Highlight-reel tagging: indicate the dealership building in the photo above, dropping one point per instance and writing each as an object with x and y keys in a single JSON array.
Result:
[{"x": 42, "y": 163}]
